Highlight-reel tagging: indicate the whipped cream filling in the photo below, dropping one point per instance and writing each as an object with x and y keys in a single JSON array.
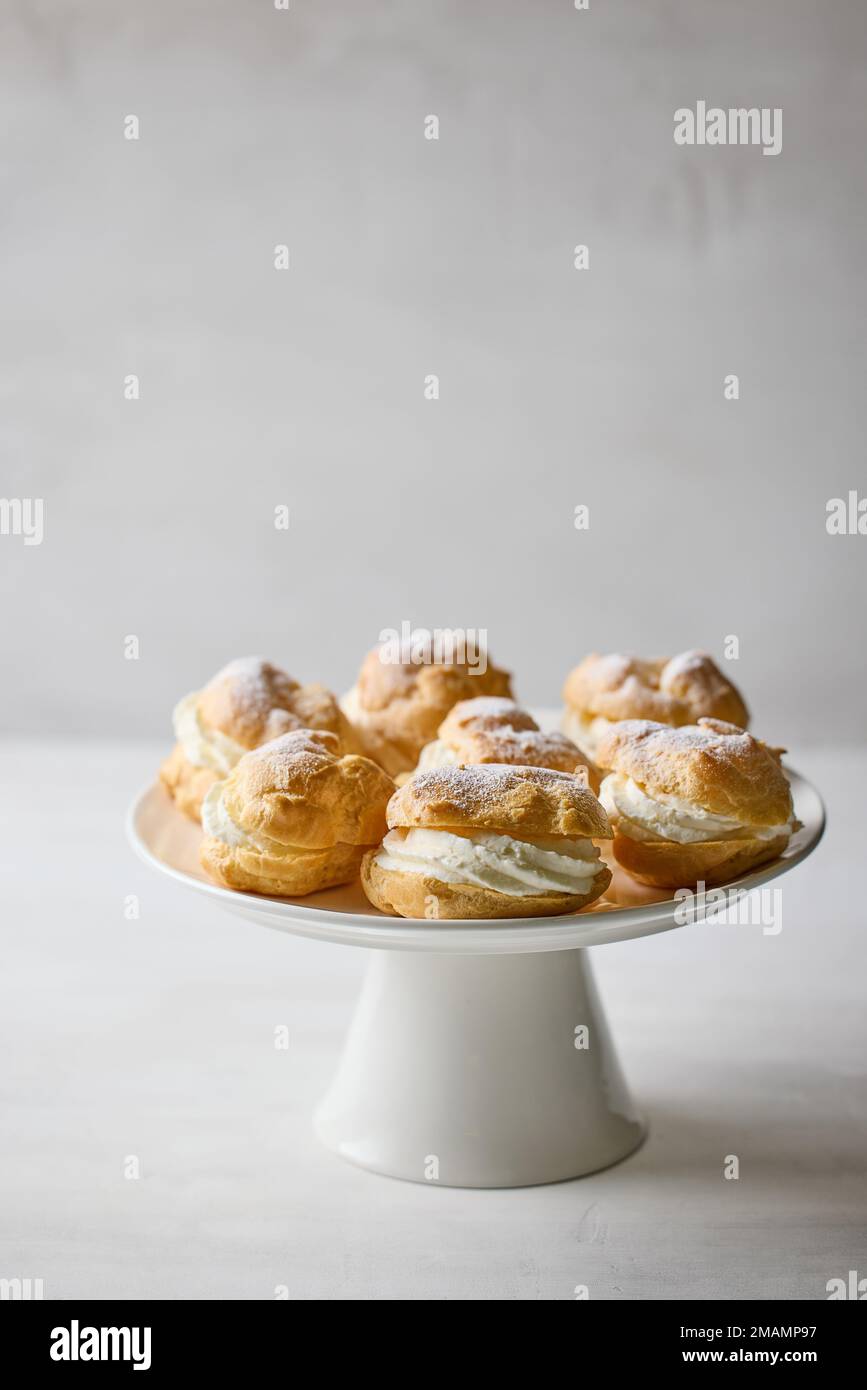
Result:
[
  {"x": 664, "y": 817},
  {"x": 587, "y": 730},
  {"x": 217, "y": 822},
  {"x": 487, "y": 860},
  {"x": 350, "y": 703},
  {"x": 436, "y": 754},
  {"x": 203, "y": 747}
]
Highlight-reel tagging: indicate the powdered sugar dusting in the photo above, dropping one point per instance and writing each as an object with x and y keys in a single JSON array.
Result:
[
  {"x": 481, "y": 785},
  {"x": 491, "y": 715},
  {"x": 491, "y": 707},
  {"x": 293, "y": 756},
  {"x": 614, "y": 670},
  {"x": 685, "y": 663},
  {"x": 534, "y": 741},
  {"x": 518, "y": 747},
  {"x": 707, "y": 736},
  {"x": 256, "y": 686}
]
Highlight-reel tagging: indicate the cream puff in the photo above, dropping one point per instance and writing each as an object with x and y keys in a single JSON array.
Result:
[
  {"x": 246, "y": 704},
  {"x": 705, "y": 801},
  {"x": 488, "y": 842},
  {"x": 397, "y": 706},
  {"x": 294, "y": 816},
  {"x": 676, "y": 690},
  {"x": 492, "y": 729}
]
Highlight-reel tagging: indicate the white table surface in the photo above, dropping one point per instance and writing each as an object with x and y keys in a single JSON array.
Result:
[{"x": 155, "y": 1038}]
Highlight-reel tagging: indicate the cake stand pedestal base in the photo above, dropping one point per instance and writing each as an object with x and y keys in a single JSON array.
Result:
[{"x": 479, "y": 1071}]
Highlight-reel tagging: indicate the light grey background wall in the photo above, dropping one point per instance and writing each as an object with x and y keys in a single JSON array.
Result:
[{"x": 410, "y": 257}]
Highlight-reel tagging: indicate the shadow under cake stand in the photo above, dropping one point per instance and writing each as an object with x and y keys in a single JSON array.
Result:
[{"x": 467, "y": 1061}]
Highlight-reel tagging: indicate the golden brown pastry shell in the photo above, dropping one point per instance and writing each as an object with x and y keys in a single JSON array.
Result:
[
  {"x": 398, "y": 707},
  {"x": 712, "y": 764},
  {"x": 311, "y": 811},
  {"x": 186, "y": 785},
  {"x": 529, "y": 802},
  {"x": 665, "y": 864},
  {"x": 675, "y": 690}
]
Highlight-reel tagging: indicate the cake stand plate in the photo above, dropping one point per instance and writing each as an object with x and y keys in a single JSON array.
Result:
[{"x": 479, "y": 1054}]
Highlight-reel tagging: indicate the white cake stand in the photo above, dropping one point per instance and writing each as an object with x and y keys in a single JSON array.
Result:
[{"x": 479, "y": 1054}]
